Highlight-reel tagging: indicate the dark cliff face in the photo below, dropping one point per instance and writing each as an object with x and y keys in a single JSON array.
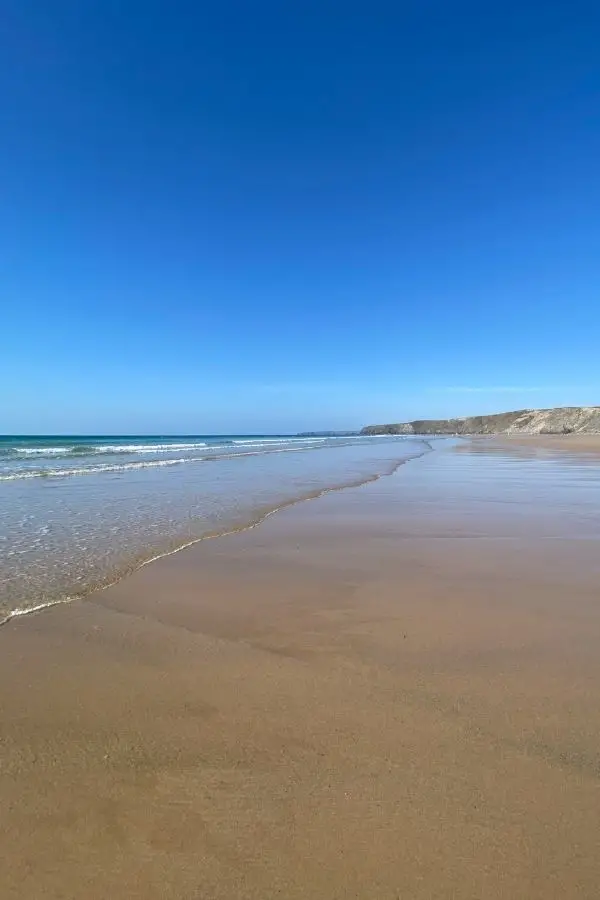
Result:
[{"x": 563, "y": 420}]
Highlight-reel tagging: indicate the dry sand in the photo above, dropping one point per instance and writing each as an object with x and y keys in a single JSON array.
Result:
[{"x": 357, "y": 699}]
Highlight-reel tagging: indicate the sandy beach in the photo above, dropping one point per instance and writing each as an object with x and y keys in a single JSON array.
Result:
[
  {"x": 564, "y": 443},
  {"x": 392, "y": 691}
]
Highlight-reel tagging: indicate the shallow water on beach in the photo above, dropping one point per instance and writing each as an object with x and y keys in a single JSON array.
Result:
[
  {"x": 78, "y": 513},
  {"x": 487, "y": 490},
  {"x": 63, "y": 535}
]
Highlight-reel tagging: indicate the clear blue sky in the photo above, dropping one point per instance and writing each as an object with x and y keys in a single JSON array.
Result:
[{"x": 272, "y": 216}]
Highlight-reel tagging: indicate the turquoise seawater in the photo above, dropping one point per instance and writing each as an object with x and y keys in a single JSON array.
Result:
[{"x": 78, "y": 512}]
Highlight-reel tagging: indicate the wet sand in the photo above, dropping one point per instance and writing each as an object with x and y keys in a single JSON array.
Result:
[
  {"x": 389, "y": 692},
  {"x": 565, "y": 443}
]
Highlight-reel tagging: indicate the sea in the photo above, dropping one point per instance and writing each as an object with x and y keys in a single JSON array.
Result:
[{"x": 78, "y": 513}]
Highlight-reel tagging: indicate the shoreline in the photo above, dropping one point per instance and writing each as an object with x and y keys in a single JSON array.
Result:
[
  {"x": 20, "y": 612},
  {"x": 585, "y": 444}
]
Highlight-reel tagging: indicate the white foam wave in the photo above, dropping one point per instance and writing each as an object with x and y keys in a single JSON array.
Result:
[
  {"x": 95, "y": 470},
  {"x": 41, "y": 451},
  {"x": 27, "y": 610},
  {"x": 102, "y": 449},
  {"x": 147, "y": 448},
  {"x": 127, "y": 467},
  {"x": 167, "y": 447},
  {"x": 290, "y": 440}
]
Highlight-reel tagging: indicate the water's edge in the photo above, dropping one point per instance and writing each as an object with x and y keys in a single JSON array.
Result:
[{"x": 20, "y": 612}]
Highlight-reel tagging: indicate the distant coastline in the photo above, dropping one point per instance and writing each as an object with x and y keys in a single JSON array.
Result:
[{"x": 560, "y": 420}]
